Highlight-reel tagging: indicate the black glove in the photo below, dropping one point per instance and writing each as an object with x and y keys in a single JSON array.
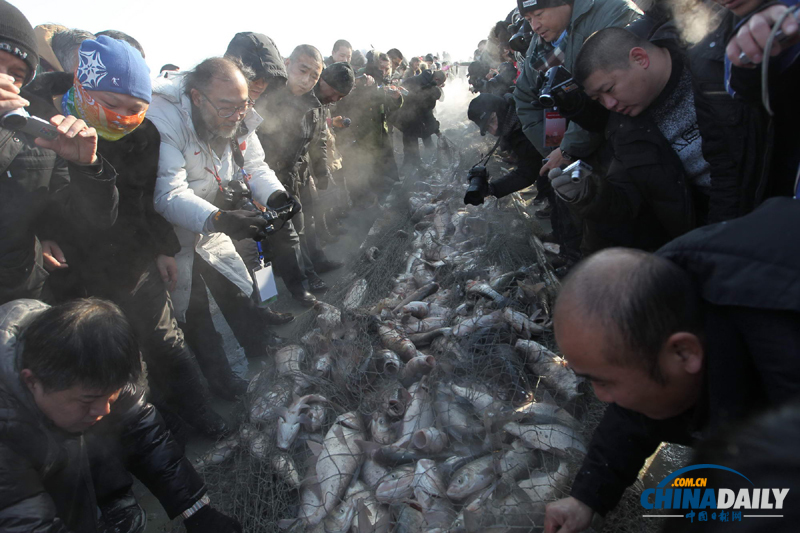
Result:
[
  {"x": 209, "y": 520},
  {"x": 280, "y": 199},
  {"x": 241, "y": 224}
]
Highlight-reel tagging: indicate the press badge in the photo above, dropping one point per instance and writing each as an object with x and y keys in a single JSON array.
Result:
[
  {"x": 554, "y": 128},
  {"x": 264, "y": 284}
]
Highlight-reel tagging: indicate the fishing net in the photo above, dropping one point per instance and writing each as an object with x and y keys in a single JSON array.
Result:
[{"x": 454, "y": 413}]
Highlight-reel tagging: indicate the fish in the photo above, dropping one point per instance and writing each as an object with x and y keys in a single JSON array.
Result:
[
  {"x": 382, "y": 431},
  {"x": 440, "y": 297},
  {"x": 502, "y": 281},
  {"x": 371, "y": 516},
  {"x": 430, "y": 440},
  {"x": 418, "y": 295},
  {"x": 481, "y": 288},
  {"x": 422, "y": 211},
  {"x": 514, "y": 513},
  {"x": 517, "y": 462},
  {"x": 329, "y": 318},
  {"x": 556, "y": 439},
  {"x": 546, "y": 486},
  {"x": 522, "y": 325},
  {"x": 284, "y": 467},
  {"x": 424, "y": 339},
  {"x": 339, "y": 458},
  {"x": 258, "y": 445},
  {"x": 397, "y": 485},
  {"x": 552, "y": 368},
  {"x": 397, "y": 402},
  {"x": 417, "y": 367},
  {"x": 387, "y": 363},
  {"x": 266, "y": 406},
  {"x": 480, "y": 400},
  {"x": 546, "y": 413},
  {"x": 453, "y": 417},
  {"x": 471, "y": 478},
  {"x": 409, "y": 519},
  {"x": 427, "y": 324},
  {"x": 442, "y": 221},
  {"x": 393, "y": 340},
  {"x": 316, "y": 414},
  {"x": 416, "y": 309},
  {"x": 419, "y": 413},
  {"x": 312, "y": 511},
  {"x": 291, "y": 418},
  {"x": 372, "y": 472},
  {"x": 220, "y": 452},
  {"x": 472, "y": 324},
  {"x": 422, "y": 276},
  {"x": 430, "y": 492},
  {"x": 289, "y": 358},
  {"x": 321, "y": 365},
  {"x": 355, "y": 295}
]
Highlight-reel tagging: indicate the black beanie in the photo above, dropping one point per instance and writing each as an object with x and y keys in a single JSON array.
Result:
[
  {"x": 481, "y": 108},
  {"x": 532, "y": 5},
  {"x": 17, "y": 37},
  {"x": 340, "y": 76}
]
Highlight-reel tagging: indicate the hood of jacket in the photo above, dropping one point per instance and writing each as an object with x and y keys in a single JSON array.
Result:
[{"x": 260, "y": 53}]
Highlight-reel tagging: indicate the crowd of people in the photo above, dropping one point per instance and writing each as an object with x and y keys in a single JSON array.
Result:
[{"x": 128, "y": 197}]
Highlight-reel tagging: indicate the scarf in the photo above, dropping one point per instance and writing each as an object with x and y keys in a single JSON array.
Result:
[{"x": 109, "y": 125}]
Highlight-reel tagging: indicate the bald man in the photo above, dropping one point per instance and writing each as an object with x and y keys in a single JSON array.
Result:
[{"x": 700, "y": 334}]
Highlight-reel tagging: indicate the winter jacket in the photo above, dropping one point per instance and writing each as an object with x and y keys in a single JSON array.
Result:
[
  {"x": 416, "y": 118},
  {"x": 262, "y": 53},
  {"x": 187, "y": 186},
  {"x": 369, "y": 108},
  {"x": 45, "y": 479},
  {"x": 37, "y": 189},
  {"x": 737, "y": 135},
  {"x": 118, "y": 255},
  {"x": 529, "y": 163},
  {"x": 588, "y": 16},
  {"x": 291, "y": 135},
  {"x": 749, "y": 281},
  {"x": 646, "y": 185}
]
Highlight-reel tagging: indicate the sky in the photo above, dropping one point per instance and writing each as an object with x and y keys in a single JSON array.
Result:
[{"x": 184, "y": 33}]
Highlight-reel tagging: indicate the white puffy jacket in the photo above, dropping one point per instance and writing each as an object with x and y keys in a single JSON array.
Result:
[{"x": 186, "y": 187}]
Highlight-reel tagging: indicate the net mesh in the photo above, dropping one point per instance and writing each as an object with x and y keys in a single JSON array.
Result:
[{"x": 453, "y": 413}]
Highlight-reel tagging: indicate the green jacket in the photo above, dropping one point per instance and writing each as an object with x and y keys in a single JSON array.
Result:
[{"x": 588, "y": 16}]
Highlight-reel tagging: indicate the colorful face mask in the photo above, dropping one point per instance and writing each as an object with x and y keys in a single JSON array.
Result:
[{"x": 109, "y": 125}]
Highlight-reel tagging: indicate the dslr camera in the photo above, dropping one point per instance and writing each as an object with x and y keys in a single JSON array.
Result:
[
  {"x": 237, "y": 195},
  {"x": 478, "y": 188},
  {"x": 521, "y": 37},
  {"x": 557, "y": 88}
]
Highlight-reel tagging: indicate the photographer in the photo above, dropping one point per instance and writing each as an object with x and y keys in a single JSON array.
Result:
[
  {"x": 561, "y": 27},
  {"x": 415, "y": 119},
  {"x": 43, "y": 180}
]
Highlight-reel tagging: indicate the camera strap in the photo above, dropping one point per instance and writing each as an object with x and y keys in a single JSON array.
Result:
[{"x": 485, "y": 159}]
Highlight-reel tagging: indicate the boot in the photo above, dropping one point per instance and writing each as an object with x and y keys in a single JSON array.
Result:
[
  {"x": 274, "y": 318},
  {"x": 123, "y": 515}
]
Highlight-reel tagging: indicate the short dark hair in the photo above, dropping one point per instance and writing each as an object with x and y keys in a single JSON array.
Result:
[
  {"x": 122, "y": 36},
  {"x": 640, "y": 305},
  {"x": 66, "y": 43},
  {"x": 394, "y": 52},
  {"x": 169, "y": 67},
  {"x": 608, "y": 49},
  {"x": 86, "y": 342},
  {"x": 306, "y": 50},
  {"x": 340, "y": 43},
  {"x": 221, "y": 68}
]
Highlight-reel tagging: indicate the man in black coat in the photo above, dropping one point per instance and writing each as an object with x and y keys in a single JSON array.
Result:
[
  {"x": 697, "y": 336},
  {"x": 71, "y": 390},
  {"x": 42, "y": 179},
  {"x": 415, "y": 119}
]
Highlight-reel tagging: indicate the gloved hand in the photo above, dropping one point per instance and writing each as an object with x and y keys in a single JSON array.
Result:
[
  {"x": 280, "y": 199},
  {"x": 568, "y": 186},
  {"x": 240, "y": 224},
  {"x": 209, "y": 520}
]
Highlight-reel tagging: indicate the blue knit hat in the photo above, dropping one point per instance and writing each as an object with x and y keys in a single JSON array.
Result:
[{"x": 111, "y": 65}]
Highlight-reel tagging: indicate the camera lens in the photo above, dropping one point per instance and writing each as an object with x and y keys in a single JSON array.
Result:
[{"x": 547, "y": 101}]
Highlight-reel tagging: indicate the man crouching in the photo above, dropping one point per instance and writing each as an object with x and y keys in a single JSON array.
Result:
[{"x": 75, "y": 419}]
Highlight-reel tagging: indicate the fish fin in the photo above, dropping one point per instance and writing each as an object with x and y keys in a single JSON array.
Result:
[
  {"x": 364, "y": 523},
  {"x": 315, "y": 447},
  {"x": 368, "y": 447},
  {"x": 548, "y": 398},
  {"x": 339, "y": 432}
]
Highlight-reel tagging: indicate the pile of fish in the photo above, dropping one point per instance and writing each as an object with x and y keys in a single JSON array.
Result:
[{"x": 474, "y": 431}]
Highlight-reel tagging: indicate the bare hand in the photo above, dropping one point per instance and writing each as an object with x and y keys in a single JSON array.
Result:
[
  {"x": 168, "y": 269},
  {"x": 77, "y": 142},
  {"x": 751, "y": 39},
  {"x": 53, "y": 257},
  {"x": 338, "y": 122},
  {"x": 554, "y": 160},
  {"x": 569, "y": 515},
  {"x": 9, "y": 95},
  {"x": 394, "y": 93},
  {"x": 369, "y": 81}
]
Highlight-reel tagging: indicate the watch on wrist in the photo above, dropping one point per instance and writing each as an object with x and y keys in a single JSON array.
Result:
[
  {"x": 199, "y": 504},
  {"x": 566, "y": 155}
]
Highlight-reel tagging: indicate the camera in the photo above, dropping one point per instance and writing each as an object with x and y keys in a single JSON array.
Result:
[
  {"x": 558, "y": 84},
  {"x": 20, "y": 120},
  {"x": 521, "y": 39},
  {"x": 237, "y": 195},
  {"x": 578, "y": 171},
  {"x": 478, "y": 188}
]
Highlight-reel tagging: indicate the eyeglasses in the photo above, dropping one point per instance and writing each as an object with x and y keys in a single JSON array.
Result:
[{"x": 227, "y": 112}]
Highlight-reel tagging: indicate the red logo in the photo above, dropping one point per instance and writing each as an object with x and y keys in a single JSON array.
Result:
[
  {"x": 197, "y": 153},
  {"x": 243, "y": 146}
]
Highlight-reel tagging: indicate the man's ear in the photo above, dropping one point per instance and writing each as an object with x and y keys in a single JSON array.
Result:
[
  {"x": 686, "y": 350},
  {"x": 28, "y": 378},
  {"x": 639, "y": 56},
  {"x": 196, "y": 96},
  {"x": 287, "y": 62}
]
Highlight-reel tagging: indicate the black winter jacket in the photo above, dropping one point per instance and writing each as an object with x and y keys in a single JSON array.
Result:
[
  {"x": 416, "y": 118},
  {"x": 291, "y": 135},
  {"x": 646, "y": 185},
  {"x": 737, "y": 134},
  {"x": 45, "y": 479},
  {"x": 37, "y": 189},
  {"x": 529, "y": 162},
  {"x": 749, "y": 281}
]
